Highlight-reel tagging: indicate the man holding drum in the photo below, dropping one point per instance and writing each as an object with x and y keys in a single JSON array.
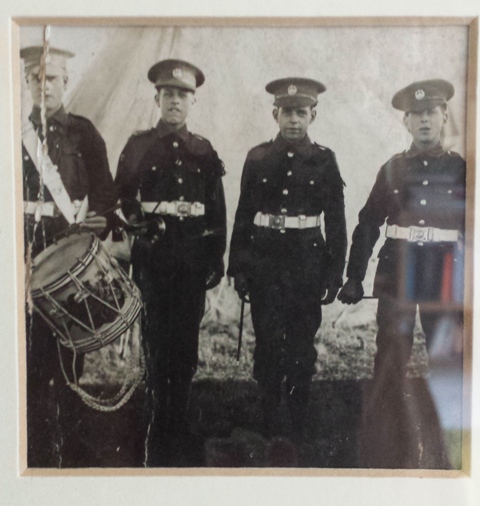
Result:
[
  {"x": 178, "y": 176},
  {"x": 66, "y": 181}
]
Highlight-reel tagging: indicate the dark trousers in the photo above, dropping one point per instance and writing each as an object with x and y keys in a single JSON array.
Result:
[
  {"x": 401, "y": 428},
  {"x": 285, "y": 320},
  {"x": 174, "y": 304},
  {"x": 52, "y": 410}
]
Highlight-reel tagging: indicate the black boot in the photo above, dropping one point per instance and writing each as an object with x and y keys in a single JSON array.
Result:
[
  {"x": 271, "y": 397},
  {"x": 298, "y": 395}
]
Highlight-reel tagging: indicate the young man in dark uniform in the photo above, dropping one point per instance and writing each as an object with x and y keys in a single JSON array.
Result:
[
  {"x": 420, "y": 194},
  {"x": 178, "y": 176},
  {"x": 278, "y": 255},
  {"x": 78, "y": 151}
]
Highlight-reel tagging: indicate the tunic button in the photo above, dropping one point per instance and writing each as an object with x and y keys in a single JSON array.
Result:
[
  {"x": 315, "y": 244},
  {"x": 264, "y": 179},
  {"x": 290, "y": 154},
  {"x": 289, "y": 173},
  {"x": 449, "y": 191},
  {"x": 282, "y": 230},
  {"x": 181, "y": 218},
  {"x": 181, "y": 198},
  {"x": 395, "y": 191},
  {"x": 57, "y": 146},
  {"x": 423, "y": 202},
  {"x": 26, "y": 157},
  {"x": 178, "y": 162},
  {"x": 312, "y": 182},
  {"x": 154, "y": 168},
  {"x": 285, "y": 192},
  {"x": 421, "y": 222},
  {"x": 52, "y": 129},
  {"x": 198, "y": 170},
  {"x": 425, "y": 162},
  {"x": 420, "y": 243},
  {"x": 284, "y": 211},
  {"x": 180, "y": 180},
  {"x": 175, "y": 144},
  {"x": 425, "y": 183}
]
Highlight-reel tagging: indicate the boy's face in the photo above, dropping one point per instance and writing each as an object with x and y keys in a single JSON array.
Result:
[
  {"x": 175, "y": 104},
  {"x": 55, "y": 87},
  {"x": 426, "y": 126},
  {"x": 294, "y": 121}
]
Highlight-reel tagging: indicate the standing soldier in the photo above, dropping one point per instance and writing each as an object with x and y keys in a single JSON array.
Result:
[
  {"x": 178, "y": 176},
  {"x": 278, "y": 255},
  {"x": 76, "y": 151},
  {"x": 420, "y": 193}
]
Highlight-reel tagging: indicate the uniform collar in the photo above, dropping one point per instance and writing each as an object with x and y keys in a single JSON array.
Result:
[
  {"x": 436, "y": 151},
  {"x": 59, "y": 116},
  {"x": 163, "y": 131},
  {"x": 301, "y": 146}
]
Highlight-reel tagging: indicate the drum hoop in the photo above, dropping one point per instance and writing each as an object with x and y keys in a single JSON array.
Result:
[
  {"x": 110, "y": 334},
  {"x": 82, "y": 263}
]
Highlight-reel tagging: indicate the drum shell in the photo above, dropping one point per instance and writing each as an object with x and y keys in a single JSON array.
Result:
[{"x": 91, "y": 304}]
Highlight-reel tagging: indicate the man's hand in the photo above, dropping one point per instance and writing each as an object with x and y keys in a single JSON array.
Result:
[
  {"x": 241, "y": 286},
  {"x": 213, "y": 279},
  {"x": 95, "y": 223},
  {"x": 329, "y": 297},
  {"x": 352, "y": 292}
]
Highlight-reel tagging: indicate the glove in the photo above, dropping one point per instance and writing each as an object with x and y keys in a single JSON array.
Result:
[
  {"x": 241, "y": 286},
  {"x": 352, "y": 292},
  {"x": 213, "y": 279},
  {"x": 330, "y": 296}
]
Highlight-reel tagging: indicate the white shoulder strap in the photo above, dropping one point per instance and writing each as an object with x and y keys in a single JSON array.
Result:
[{"x": 50, "y": 176}]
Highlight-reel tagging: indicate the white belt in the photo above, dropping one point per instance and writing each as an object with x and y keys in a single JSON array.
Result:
[
  {"x": 41, "y": 208},
  {"x": 280, "y": 222},
  {"x": 175, "y": 208},
  {"x": 422, "y": 234}
]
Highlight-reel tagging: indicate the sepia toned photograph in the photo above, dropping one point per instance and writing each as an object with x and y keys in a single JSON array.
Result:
[{"x": 245, "y": 246}]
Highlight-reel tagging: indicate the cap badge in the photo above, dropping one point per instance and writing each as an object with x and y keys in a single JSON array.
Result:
[
  {"x": 419, "y": 94},
  {"x": 292, "y": 89},
  {"x": 177, "y": 73}
]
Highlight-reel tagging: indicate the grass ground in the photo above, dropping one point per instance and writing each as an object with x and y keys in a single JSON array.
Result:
[{"x": 225, "y": 410}]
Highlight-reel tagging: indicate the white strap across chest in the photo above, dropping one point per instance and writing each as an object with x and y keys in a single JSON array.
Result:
[{"x": 50, "y": 176}]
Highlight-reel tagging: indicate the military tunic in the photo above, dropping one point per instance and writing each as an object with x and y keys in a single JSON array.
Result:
[
  {"x": 79, "y": 152},
  {"x": 413, "y": 189},
  {"x": 161, "y": 166},
  {"x": 288, "y": 270}
]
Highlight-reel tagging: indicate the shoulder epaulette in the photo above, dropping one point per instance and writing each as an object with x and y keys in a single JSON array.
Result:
[
  {"x": 259, "y": 151},
  {"x": 199, "y": 137},
  {"x": 322, "y": 148},
  {"x": 396, "y": 156},
  {"x": 454, "y": 154},
  {"x": 139, "y": 133},
  {"x": 79, "y": 119}
]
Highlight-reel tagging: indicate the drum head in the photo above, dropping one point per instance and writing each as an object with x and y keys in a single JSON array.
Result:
[{"x": 54, "y": 262}]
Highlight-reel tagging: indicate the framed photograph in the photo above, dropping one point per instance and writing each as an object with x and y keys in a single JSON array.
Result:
[{"x": 245, "y": 247}]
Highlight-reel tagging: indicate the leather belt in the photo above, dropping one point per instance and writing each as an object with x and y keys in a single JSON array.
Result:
[
  {"x": 280, "y": 222},
  {"x": 41, "y": 208},
  {"x": 175, "y": 208},
  {"x": 422, "y": 234}
]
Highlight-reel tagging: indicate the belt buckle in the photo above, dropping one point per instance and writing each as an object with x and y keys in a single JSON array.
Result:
[
  {"x": 276, "y": 222},
  {"x": 420, "y": 234},
  {"x": 182, "y": 208}
]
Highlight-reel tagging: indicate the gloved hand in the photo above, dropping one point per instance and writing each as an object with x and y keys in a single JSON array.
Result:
[
  {"x": 330, "y": 296},
  {"x": 352, "y": 292},
  {"x": 213, "y": 279},
  {"x": 241, "y": 286}
]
